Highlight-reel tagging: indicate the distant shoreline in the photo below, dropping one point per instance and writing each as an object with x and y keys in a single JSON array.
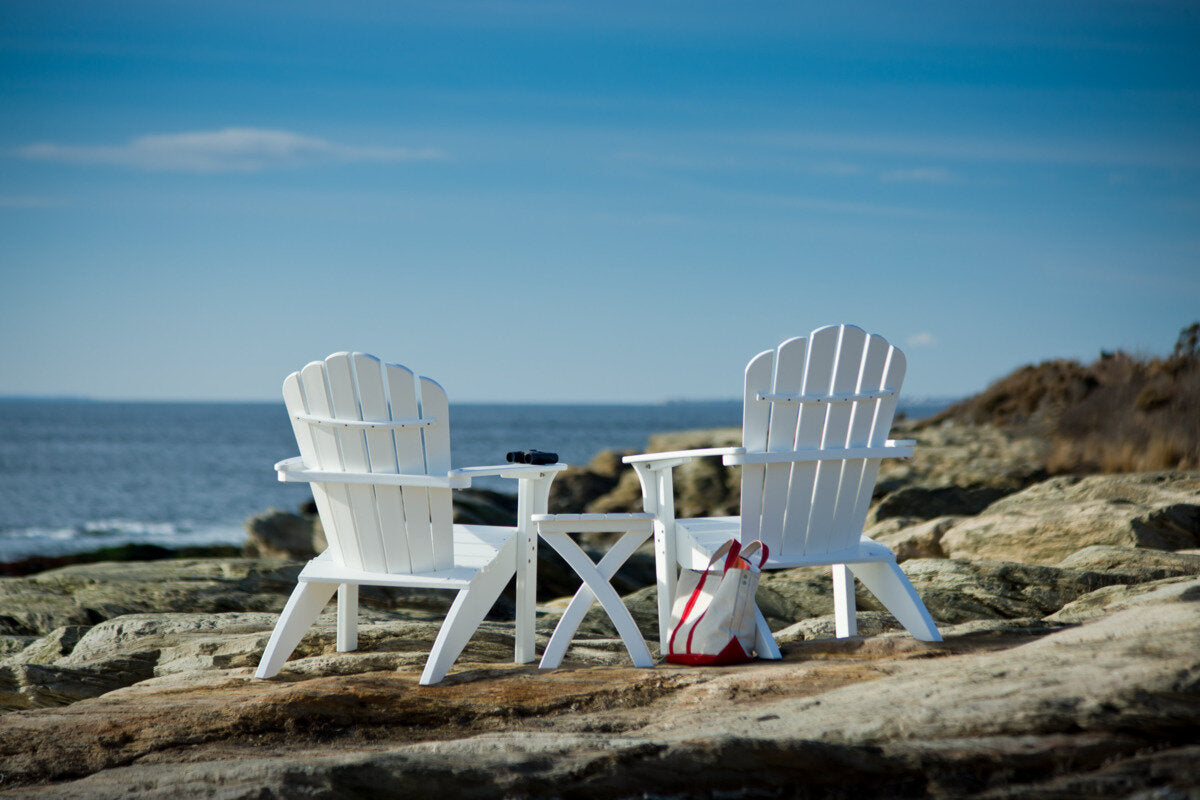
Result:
[{"x": 941, "y": 402}]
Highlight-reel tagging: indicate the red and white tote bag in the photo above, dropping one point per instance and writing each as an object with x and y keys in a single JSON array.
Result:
[{"x": 712, "y": 616}]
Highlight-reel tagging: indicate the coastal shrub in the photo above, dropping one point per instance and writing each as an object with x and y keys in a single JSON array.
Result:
[
  {"x": 1121, "y": 413},
  {"x": 1032, "y": 393},
  {"x": 1144, "y": 414}
]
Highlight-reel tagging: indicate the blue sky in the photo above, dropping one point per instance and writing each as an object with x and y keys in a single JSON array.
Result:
[{"x": 570, "y": 201}]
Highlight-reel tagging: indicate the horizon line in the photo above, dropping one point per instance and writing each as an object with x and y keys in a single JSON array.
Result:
[{"x": 16, "y": 398}]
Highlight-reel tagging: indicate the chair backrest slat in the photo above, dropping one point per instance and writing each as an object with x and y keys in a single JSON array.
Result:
[
  {"x": 863, "y": 414},
  {"x": 370, "y": 527},
  {"x": 343, "y": 395},
  {"x": 810, "y": 426},
  {"x": 410, "y": 458},
  {"x": 756, "y": 418},
  {"x": 781, "y": 437},
  {"x": 437, "y": 462},
  {"x": 881, "y": 426},
  {"x": 329, "y": 458},
  {"x": 811, "y": 507},
  {"x": 837, "y": 428},
  {"x": 293, "y": 398},
  {"x": 381, "y": 453}
]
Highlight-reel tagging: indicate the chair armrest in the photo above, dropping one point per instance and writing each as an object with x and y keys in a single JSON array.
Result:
[
  {"x": 507, "y": 471},
  {"x": 889, "y": 449},
  {"x": 682, "y": 455},
  {"x": 292, "y": 470}
]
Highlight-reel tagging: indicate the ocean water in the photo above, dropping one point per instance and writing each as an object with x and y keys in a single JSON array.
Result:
[{"x": 80, "y": 475}]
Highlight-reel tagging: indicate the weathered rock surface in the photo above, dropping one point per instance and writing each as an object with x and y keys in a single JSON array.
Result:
[
  {"x": 85, "y": 594},
  {"x": 703, "y": 487},
  {"x": 1051, "y": 520},
  {"x": 1070, "y": 666},
  {"x": 1134, "y": 564},
  {"x": 210, "y": 614},
  {"x": 954, "y": 590},
  {"x": 968, "y": 456},
  {"x": 1012, "y": 710},
  {"x": 575, "y": 488},
  {"x": 926, "y": 502},
  {"x": 283, "y": 534},
  {"x": 1122, "y": 596},
  {"x": 912, "y": 537}
]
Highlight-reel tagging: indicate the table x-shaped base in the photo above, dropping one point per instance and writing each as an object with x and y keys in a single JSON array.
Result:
[{"x": 554, "y": 529}]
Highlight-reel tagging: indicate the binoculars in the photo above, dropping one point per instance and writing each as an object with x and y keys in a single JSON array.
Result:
[{"x": 532, "y": 457}]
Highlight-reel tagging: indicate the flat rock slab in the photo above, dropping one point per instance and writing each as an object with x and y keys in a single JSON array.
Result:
[
  {"x": 1007, "y": 711},
  {"x": 78, "y": 660},
  {"x": 1051, "y": 520}
]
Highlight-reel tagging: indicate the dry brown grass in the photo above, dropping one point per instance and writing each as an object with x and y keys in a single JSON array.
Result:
[{"x": 1121, "y": 413}]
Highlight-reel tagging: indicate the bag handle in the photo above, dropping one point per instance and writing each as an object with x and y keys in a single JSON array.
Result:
[
  {"x": 729, "y": 551},
  {"x": 755, "y": 547}
]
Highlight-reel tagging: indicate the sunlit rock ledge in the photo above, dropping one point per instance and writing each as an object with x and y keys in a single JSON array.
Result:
[{"x": 1070, "y": 608}]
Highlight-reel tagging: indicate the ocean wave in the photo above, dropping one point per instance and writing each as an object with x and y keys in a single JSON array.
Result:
[
  {"x": 125, "y": 527},
  {"x": 16, "y": 544}
]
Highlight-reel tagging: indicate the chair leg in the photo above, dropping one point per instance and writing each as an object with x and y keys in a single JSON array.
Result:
[
  {"x": 347, "y": 620},
  {"x": 466, "y": 612},
  {"x": 764, "y": 640},
  {"x": 303, "y": 607},
  {"x": 844, "y": 618},
  {"x": 533, "y": 497},
  {"x": 666, "y": 576},
  {"x": 525, "y": 635},
  {"x": 887, "y": 582}
]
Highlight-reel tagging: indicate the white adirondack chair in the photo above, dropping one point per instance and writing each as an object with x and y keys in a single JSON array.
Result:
[
  {"x": 375, "y": 445},
  {"x": 816, "y": 417}
]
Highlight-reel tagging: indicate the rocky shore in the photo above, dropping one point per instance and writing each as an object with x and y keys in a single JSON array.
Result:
[{"x": 1070, "y": 607}]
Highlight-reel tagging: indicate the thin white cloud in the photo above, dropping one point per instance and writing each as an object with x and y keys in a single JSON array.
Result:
[
  {"x": 946, "y": 148},
  {"x": 837, "y": 169},
  {"x": 225, "y": 150},
  {"x": 28, "y": 202},
  {"x": 923, "y": 339},
  {"x": 824, "y": 205},
  {"x": 918, "y": 175}
]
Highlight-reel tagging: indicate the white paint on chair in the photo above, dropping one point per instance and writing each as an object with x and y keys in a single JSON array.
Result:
[
  {"x": 821, "y": 522},
  {"x": 383, "y": 494},
  {"x": 781, "y": 438},
  {"x": 437, "y": 462},
  {"x": 810, "y": 425},
  {"x": 381, "y": 459},
  {"x": 410, "y": 459},
  {"x": 756, "y": 422},
  {"x": 352, "y": 445},
  {"x": 328, "y": 457},
  {"x": 817, "y": 414}
]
